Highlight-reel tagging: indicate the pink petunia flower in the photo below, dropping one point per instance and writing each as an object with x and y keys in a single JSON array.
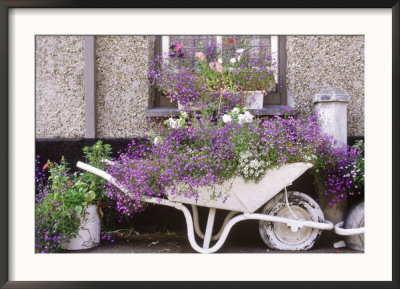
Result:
[
  {"x": 178, "y": 46},
  {"x": 218, "y": 67},
  {"x": 200, "y": 55},
  {"x": 212, "y": 65}
]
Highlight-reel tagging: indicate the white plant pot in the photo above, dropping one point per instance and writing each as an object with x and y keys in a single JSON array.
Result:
[
  {"x": 254, "y": 99},
  {"x": 89, "y": 230}
]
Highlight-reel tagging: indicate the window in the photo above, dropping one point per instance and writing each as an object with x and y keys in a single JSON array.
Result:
[{"x": 276, "y": 45}]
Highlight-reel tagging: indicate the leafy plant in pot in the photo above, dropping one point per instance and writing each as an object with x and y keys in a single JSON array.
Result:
[
  {"x": 62, "y": 206},
  {"x": 68, "y": 205},
  {"x": 88, "y": 234}
]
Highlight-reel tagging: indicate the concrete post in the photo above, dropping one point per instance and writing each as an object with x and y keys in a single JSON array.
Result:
[{"x": 331, "y": 106}]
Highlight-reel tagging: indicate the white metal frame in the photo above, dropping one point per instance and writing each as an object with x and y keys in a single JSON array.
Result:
[
  {"x": 193, "y": 226},
  {"x": 347, "y": 232},
  {"x": 229, "y": 222}
]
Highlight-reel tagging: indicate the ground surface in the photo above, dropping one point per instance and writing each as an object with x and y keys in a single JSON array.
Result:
[{"x": 178, "y": 243}]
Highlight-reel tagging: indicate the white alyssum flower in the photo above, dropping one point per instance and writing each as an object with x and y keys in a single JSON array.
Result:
[
  {"x": 226, "y": 118},
  {"x": 232, "y": 60},
  {"x": 307, "y": 158},
  {"x": 255, "y": 164},
  {"x": 250, "y": 167},
  {"x": 220, "y": 61},
  {"x": 243, "y": 157}
]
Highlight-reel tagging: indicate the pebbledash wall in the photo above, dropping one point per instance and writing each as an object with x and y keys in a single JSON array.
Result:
[{"x": 123, "y": 94}]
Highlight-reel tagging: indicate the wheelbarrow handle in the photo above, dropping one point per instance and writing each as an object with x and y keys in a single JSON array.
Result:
[{"x": 95, "y": 171}]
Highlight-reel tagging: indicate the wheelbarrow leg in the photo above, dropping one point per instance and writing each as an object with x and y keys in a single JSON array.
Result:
[
  {"x": 197, "y": 229},
  {"x": 209, "y": 228}
]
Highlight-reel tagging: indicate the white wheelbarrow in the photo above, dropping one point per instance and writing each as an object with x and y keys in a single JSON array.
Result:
[{"x": 288, "y": 220}]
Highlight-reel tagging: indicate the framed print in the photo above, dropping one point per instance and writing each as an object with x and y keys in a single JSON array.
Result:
[{"x": 127, "y": 133}]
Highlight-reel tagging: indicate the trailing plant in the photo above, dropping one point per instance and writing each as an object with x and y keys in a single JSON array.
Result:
[
  {"x": 193, "y": 152},
  {"x": 357, "y": 170}
]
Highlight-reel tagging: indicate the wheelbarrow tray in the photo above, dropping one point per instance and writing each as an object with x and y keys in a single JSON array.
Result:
[{"x": 245, "y": 197}]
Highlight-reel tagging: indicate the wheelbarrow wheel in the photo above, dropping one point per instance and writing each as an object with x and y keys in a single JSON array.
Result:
[
  {"x": 278, "y": 235},
  {"x": 355, "y": 219}
]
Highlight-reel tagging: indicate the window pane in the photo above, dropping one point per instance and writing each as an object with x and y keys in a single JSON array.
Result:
[{"x": 191, "y": 42}]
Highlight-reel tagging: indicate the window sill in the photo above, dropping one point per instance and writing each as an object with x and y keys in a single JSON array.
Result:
[{"x": 268, "y": 110}]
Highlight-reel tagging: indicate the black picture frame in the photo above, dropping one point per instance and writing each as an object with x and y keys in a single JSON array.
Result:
[{"x": 5, "y": 5}]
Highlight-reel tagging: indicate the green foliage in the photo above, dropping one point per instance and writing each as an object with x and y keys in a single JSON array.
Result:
[
  {"x": 57, "y": 208},
  {"x": 358, "y": 168},
  {"x": 95, "y": 156},
  {"x": 64, "y": 197}
]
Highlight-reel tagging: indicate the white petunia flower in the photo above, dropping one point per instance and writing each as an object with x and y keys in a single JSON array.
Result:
[
  {"x": 232, "y": 60},
  {"x": 248, "y": 117},
  {"x": 240, "y": 50},
  {"x": 220, "y": 61},
  {"x": 184, "y": 114},
  {"x": 226, "y": 118},
  {"x": 235, "y": 110},
  {"x": 241, "y": 118},
  {"x": 157, "y": 140},
  {"x": 172, "y": 122}
]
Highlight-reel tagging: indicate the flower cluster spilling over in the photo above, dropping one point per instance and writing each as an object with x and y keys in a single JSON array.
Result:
[
  {"x": 193, "y": 152},
  {"x": 250, "y": 167},
  {"x": 177, "y": 81},
  {"x": 216, "y": 75},
  {"x": 357, "y": 170},
  {"x": 336, "y": 163}
]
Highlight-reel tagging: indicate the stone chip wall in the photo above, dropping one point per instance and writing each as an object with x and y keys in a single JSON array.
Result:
[
  {"x": 123, "y": 94},
  {"x": 60, "y": 90},
  {"x": 316, "y": 62}
]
